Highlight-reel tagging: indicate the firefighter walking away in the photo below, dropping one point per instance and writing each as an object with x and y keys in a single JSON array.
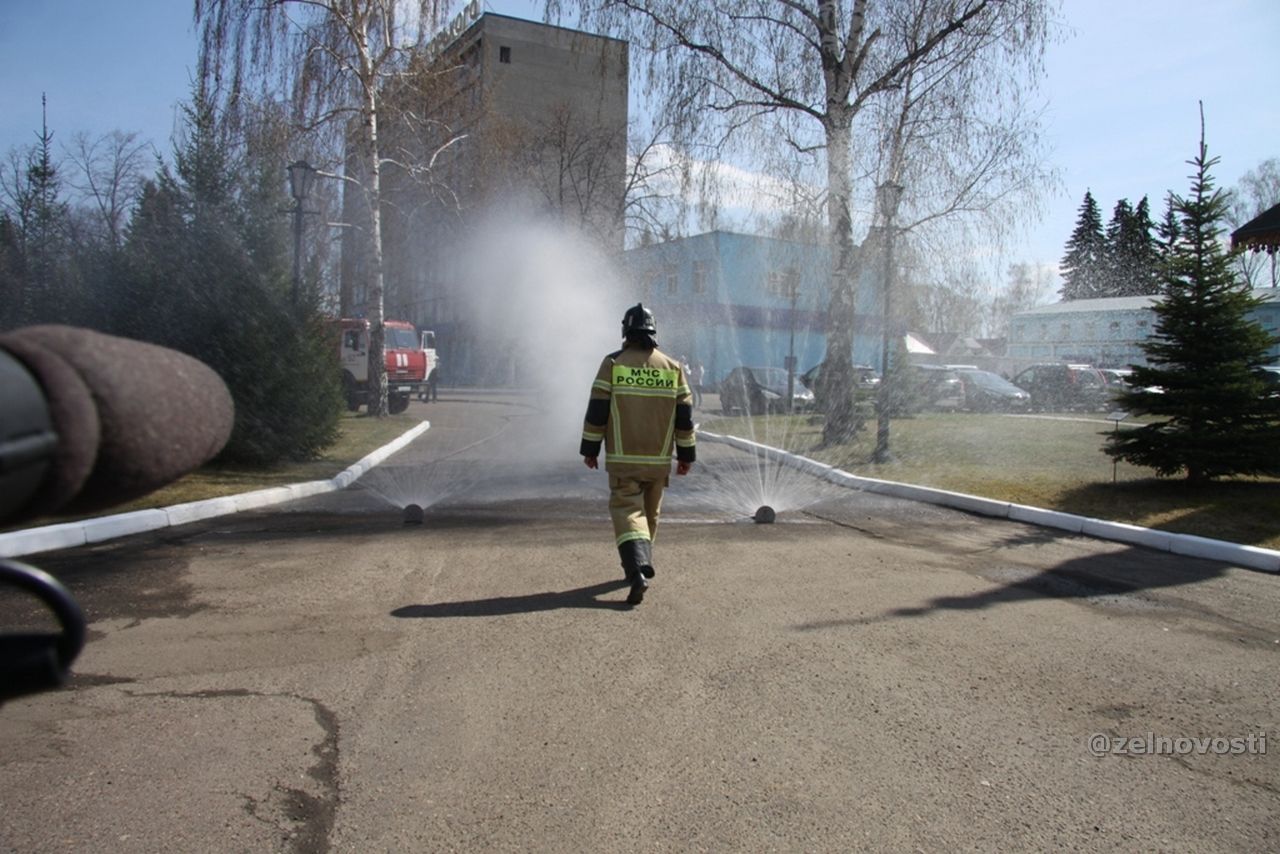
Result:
[{"x": 641, "y": 409}]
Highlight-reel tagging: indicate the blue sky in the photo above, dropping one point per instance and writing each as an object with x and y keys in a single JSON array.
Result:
[{"x": 1121, "y": 90}]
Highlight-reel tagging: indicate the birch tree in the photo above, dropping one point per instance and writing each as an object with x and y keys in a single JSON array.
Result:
[
  {"x": 333, "y": 59},
  {"x": 109, "y": 173},
  {"x": 756, "y": 71},
  {"x": 959, "y": 134}
]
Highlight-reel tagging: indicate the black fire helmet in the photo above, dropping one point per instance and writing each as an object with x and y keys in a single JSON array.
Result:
[{"x": 638, "y": 319}]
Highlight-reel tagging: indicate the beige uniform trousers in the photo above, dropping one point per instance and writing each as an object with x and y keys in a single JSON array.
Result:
[{"x": 635, "y": 501}]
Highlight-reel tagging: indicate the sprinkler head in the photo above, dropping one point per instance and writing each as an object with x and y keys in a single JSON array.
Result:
[
  {"x": 413, "y": 515},
  {"x": 764, "y": 515}
]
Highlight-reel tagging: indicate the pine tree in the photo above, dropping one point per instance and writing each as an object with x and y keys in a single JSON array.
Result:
[
  {"x": 1214, "y": 415},
  {"x": 1083, "y": 264}
]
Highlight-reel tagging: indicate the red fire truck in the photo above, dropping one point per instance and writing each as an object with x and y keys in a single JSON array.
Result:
[{"x": 411, "y": 362}]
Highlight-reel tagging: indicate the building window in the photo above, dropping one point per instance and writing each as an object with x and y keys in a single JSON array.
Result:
[
  {"x": 783, "y": 283},
  {"x": 504, "y": 54},
  {"x": 699, "y": 277}
]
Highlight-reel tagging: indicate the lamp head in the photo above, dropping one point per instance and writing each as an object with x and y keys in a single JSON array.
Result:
[{"x": 301, "y": 175}]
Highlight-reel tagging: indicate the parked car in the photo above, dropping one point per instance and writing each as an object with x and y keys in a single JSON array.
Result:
[
  {"x": 865, "y": 376},
  {"x": 1057, "y": 387},
  {"x": 865, "y": 379},
  {"x": 937, "y": 387},
  {"x": 1117, "y": 378},
  {"x": 757, "y": 391},
  {"x": 988, "y": 392}
]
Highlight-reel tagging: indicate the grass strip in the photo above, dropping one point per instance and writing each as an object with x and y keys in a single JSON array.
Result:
[
  {"x": 1051, "y": 462},
  {"x": 358, "y": 436}
]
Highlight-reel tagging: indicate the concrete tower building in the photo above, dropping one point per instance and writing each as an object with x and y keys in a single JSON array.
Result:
[{"x": 498, "y": 114}]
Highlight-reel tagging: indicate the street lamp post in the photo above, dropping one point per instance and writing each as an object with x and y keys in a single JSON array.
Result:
[
  {"x": 888, "y": 195},
  {"x": 301, "y": 176},
  {"x": 793, "y": 291}
]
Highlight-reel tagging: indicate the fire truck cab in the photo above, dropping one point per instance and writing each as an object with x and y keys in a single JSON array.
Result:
[{"x": 410, "y": 363}]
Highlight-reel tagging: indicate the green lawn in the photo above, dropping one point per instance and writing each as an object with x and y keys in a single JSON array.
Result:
[{"x": 1057, "y": 464}]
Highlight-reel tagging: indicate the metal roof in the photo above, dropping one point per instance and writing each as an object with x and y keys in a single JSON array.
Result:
[
  {"x": 1262, "y": 233},
  {"x": 1077, "y": 306},
  {"x": 1106, "y": 304}
]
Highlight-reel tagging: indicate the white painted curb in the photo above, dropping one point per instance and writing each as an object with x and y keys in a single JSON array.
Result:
[
  {"x": 1179, "y": 544},
  {"x": 71, "y": 534}
]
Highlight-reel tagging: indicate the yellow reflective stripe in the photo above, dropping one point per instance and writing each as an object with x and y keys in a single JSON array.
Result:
[
  {"x": 631, "y": 535},
  {"x": 636, "y": 458},
  {"x": 592, "y": 437},
  {"x": 666, "y": 441},
  {"x": 615, "y": 421},
  {"x": 683, "y": 390},
  {"x": 670, "y": 394},
  {"x": 602, "y": 385},
  {"x": 686, "y": 443},
  {"x": 625, "y": 376}
]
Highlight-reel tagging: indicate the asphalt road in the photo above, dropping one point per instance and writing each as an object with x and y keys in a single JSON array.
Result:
[{"x": 867, "y": 673}]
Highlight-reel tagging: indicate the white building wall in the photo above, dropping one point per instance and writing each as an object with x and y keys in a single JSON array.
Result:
[{"x": 1107, "y": 333}]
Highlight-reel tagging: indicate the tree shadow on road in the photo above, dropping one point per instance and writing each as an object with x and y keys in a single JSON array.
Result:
[
  {"x": 1118, "y": 578},
  {"x": 503, "y": 606}
]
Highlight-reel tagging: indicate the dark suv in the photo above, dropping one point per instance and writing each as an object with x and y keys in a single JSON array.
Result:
[{"x": 1057, "y": 387}]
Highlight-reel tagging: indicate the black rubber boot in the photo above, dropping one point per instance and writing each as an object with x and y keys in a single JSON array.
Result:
[
  {"x": 644, "y": 558},
  {"x": 631, "y": 553},
  {"x": 627, "y": 552}
]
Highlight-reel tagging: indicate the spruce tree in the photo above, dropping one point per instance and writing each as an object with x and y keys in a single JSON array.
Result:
[
  {"x": 36, "y": 236},
  {"x": 1167, "y": 232},
  {"x": 1141, "y": 247},
  {"x": 1118, "y": 265},
  {"x": 1132, "y": 258},
  {"x": 1083, "y": 264},
  {"x": 1214, "y": 417},
  {"x": 13, "y": 276},
  {"x": 203, "y": 281}
]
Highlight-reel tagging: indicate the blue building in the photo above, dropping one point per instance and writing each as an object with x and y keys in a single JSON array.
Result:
[
  {"x": 1107, "y": 333},
  {"x": 726, "y": 299}
]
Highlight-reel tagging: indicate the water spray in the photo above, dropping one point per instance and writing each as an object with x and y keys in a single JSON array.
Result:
[
  {"x": 764, "y": 515},
  {"x": 413, "y": 514}
]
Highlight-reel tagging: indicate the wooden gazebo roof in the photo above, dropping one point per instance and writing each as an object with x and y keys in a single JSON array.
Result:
[{"x": 1261, "y": 234}]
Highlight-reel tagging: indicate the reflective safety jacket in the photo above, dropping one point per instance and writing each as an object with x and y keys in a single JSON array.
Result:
[{"x": 640, "y": 408}]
